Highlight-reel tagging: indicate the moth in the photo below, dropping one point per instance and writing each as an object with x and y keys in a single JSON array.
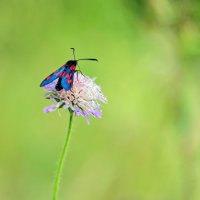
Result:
[{"x": 64, "y": 74}]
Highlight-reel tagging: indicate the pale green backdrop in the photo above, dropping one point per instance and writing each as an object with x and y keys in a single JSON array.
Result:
[{"x": 147, "y": 145}]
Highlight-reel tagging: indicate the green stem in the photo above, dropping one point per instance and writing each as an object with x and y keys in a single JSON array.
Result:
[{"x": 62, "y": 158}]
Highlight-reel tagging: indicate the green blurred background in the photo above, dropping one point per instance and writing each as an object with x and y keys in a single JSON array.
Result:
[{"x": 147, "y": 145}]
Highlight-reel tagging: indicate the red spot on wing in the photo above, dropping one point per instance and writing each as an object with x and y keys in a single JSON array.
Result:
[
  {"x": 69, "y": 81},
  {"x": 48, "y": 77},
  {"x": 73, "y": 67},
  {"x": 55, "y": 73},
  {"x": 63, "y": 74},
  {"x": 68, "y": 76}
]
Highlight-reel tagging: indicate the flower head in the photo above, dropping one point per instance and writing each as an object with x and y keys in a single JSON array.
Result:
[{"x": 82, "y": 98}]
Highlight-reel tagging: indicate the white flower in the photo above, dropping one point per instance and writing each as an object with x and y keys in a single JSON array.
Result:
[{"x": 82, "y": 98}]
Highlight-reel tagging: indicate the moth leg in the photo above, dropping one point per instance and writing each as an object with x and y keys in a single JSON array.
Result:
[
  {"x": 80, "y": 72},
  {"x": 77, "y": 74}
]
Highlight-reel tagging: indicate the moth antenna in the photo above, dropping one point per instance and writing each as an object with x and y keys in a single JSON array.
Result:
[
  {"x": 73, "y": 53},
  {"x": 93, "y": 59}
]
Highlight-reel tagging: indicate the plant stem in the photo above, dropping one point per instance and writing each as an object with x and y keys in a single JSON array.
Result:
[{"x": 62, "y": 158}]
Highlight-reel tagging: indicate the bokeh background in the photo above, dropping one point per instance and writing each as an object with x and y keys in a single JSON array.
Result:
[{"x": 147, "y": 145}]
